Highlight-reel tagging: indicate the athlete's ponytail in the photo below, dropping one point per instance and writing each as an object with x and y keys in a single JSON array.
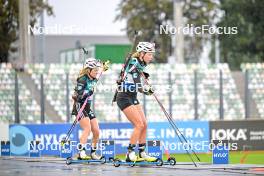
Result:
[
  {"x": 135, "y": 55},
  {"x": 83, "y": 72}
]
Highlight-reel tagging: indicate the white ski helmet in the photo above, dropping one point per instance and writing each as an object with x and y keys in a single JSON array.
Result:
[
  {"x": 146, "y": 47},
  {"x": 91, "y": 63}
]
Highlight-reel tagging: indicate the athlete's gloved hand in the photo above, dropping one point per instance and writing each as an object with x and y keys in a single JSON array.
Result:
[
  {"x": 148, "y": 90},
  {"x": 75, "y": 96},
  {"x": 85, "y": 94},
  {"x": 106, "y": 65},
  {"x": 146, "y": 75},
  {"x": 74, "y": 109}
]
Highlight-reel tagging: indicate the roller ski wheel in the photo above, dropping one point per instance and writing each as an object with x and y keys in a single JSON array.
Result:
[
  {"x": 111, "y": 160},
  {"x": 159, "y": 162},
  {"x": 117, "y": 162},
  {"x": 69, "y": 160},
  {"x": 103, "y": 160},
  {"x": 172, "y": 161},
  {"x": 132, "y": 164}
]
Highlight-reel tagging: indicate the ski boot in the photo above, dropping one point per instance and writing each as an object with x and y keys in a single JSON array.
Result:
[
  {"x": 144, "y": 155},
  {"x": 83, "y": 156},
  {"x": 132, "y": 157},
  {"x": 94, "y": 156}
]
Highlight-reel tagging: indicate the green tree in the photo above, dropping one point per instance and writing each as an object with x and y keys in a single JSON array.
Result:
[
  {"x": 148, "y": 15},
  {"x": 248, "y": 44},
  {"x": 9, "y": 22}
]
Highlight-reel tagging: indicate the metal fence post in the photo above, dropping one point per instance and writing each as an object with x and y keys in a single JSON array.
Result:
[
  {"x": 17, "y": 115},
  {"x": 170, "y": 93},
  {"x": 221, "y": 103},
  {"x": 195, "y": 96},
  {"x": 42, "y": 100},
  {"x": 67, "y": 98},
  {"x": 247, "y": 109}
]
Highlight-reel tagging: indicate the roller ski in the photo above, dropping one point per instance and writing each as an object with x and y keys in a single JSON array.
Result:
[
  {"x": 82, "y": 157},
  {"x": 133, "y": 160}
]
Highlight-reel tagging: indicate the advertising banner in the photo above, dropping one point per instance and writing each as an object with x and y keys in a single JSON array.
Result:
[
  {"x": 50, "y": 135},
  {"x": 246, "y": 134}
]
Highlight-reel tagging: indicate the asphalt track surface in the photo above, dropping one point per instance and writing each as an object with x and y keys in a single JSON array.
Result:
[{"x": 57, "y": 167}]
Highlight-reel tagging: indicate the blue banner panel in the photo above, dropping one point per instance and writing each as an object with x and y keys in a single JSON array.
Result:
[
  {"x": 66, "y": 151},
  {"x": 108, "y": 149},
  {"x": 220, "y": 152},
  {"x": 195, "y": 132},
  {"x": 34, "y": 149},
  {"x": 5, "y": 148},
  {"x": 154, "y": 149},
  {"x": 49, "y": 136}
]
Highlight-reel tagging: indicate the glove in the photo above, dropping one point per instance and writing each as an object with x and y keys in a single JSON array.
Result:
[
  {"x": 87, "y": 93},
  {"x": 106, "y": 65},
  {"x": 146, "y": 75},
  {"x": 74, "y": 109},
  {"x": 148, "y": 90},
  {"x": 75, "y": 96}
]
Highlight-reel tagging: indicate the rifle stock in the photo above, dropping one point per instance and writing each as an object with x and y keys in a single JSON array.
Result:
[{"x": 129, "y": 55}]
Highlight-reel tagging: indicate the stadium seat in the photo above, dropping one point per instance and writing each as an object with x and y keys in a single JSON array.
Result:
[{"x": 256, "y": 84}]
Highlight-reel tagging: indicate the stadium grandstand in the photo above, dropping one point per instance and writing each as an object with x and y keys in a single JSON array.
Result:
[{"x": 180, "y": 79}]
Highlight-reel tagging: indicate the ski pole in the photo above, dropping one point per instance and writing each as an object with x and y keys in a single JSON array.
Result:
[
  {"x": 176, "y": 130},
  {"x": 173, "y": 125}
]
